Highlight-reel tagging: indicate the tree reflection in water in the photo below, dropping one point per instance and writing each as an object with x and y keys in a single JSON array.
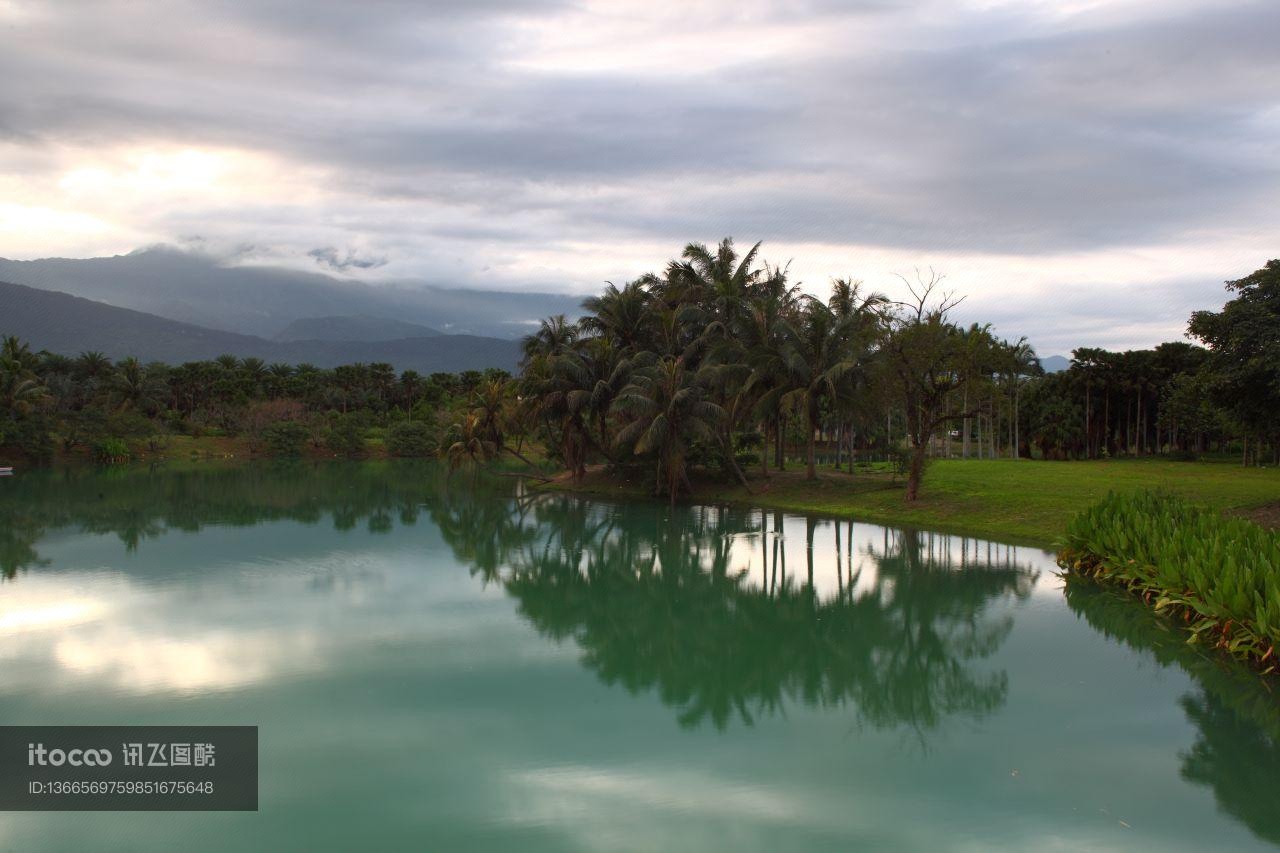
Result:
[
  {"x": 666, "y": 599},
  {"x": 1235, "y": 712},
  {"x": 727, "y": 614},
  {"x": 697, "y": 603},
  {"x": 136, "y": 503}
]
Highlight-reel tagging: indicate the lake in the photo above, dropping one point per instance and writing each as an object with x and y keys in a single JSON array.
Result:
[{"x": 460, "y": 664}]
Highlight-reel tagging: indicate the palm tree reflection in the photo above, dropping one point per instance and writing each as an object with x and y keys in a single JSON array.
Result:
[{"x": 666, "y": 600}]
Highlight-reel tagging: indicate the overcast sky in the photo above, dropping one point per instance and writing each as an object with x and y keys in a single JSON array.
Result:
[{"x": 1087, "y": 171}]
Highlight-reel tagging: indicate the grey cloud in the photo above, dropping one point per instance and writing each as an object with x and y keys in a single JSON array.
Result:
[
  {"x": 343, "y": 261},
  {"x": 1090, "y": 314},
  {"x": 982, "y": 131}
]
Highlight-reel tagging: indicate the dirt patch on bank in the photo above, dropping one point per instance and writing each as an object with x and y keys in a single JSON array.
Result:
[{"x": 1267, "y": 516}]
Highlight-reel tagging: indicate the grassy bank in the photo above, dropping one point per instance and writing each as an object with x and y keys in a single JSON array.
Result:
[
  {"x": 1028, "y": 502},
  {"x": 1219, "y": 577},
  {"x": 206, "y": 447}
]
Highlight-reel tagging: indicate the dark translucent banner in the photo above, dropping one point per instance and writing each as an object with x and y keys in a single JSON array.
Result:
[{"x": 129, "y": 768}]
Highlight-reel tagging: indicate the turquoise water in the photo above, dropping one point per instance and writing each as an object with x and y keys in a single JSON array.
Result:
[{"x": 459, "y": 665}]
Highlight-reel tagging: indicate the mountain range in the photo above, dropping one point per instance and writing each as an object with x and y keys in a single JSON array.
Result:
[
  {"x": 264, "y": 301},
  {"x": 164, "y": 304},
  {"x": 362, "y": 327},
  {"x": 62, "y": 323}
]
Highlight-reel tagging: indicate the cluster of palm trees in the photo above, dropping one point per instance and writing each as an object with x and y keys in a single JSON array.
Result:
[
  {"x": 713, "y": 361},
  {"x": 89, "y": 397}
]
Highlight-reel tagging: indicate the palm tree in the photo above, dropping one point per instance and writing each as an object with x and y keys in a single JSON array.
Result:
[
  {"x": 17, "y": 352},
  {"x": 670, "y": 412},
  {"x": 276, "y": 381},
  {"x": 470, "y": 445},
  {"x": 489, "y": 406},
  {"x": 623, "y": 315},
  {"x": 555, "y": 334},
  {"x": 411, "y": 383},
  {"x": 92, "y": 365},
  {"x": 724, "y": 281},
  {"x": 977, "y": 345},
  {"x": 138, "y": 388},
  {"x": 20, "y": 389},
  {"x": 1021, "y": 363},
  {"x": 817, "y": 354}
]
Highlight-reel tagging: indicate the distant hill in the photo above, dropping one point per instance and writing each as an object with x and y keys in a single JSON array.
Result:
[
  {"x": 193, "y": 288},
  {"x": 69, "y": 324},
  {"x": 361, "y": 327},
  {"x": 1055, "y": 363}
]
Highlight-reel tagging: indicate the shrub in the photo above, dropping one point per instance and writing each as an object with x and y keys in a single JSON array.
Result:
[
  {"x": 1220, "y": 575},
  {"x": 412, "y": 439},
  {"x": 254, "y": 419},
  {"x": 111, "y": 451},
  {"x": 900, "y": 460},
  {"x": 29, "y": 436},
  {"x": 345, "y": 437},
  {"x": 284, "y": 438},
  {"x": 175, "y": 423},
  {"x": 130, "y": 425}
]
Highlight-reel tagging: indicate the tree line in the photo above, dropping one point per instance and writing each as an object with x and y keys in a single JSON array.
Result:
[
  {"x": 52, "y": 403},
  {"x": 721, "y": 362},
  {"x": 722, "y": 365}
]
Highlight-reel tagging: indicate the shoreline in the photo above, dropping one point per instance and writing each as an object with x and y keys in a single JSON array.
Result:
[
  {"x": 1015, "y": 502},
  {"x": 765, "y": 500}
]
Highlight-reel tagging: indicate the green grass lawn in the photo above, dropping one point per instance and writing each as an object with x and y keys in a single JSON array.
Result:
[{"x": 1014, "y": 501}]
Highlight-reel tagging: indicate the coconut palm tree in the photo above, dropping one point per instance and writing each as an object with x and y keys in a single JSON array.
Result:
[
  {"x": 20, "y": 390},
  {"x": 623, "y": 315},
  {"x": 138, "y": 388},
  {"x": 723, "y": 281},
  {"x": 817, "y": 353},
  {"x": 489, "y": 406},
  {"x": 670, "y": 412},
  {"x": 470, "y": 445},
  {"x": 18, "y": 352},
  {"x": 555, "y": 334},
  {"x": 92, "y": 365}
]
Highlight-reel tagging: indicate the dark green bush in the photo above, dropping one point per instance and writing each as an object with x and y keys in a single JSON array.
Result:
[
  {"x": 284, "y": 438},
  {"x": 412, "y": 439},
  {"x": 345, "y": 437},
  {"x": 111, "y": 451},
  {"x": 29, "y": 436},
  {"x": 900, "y": 460}
]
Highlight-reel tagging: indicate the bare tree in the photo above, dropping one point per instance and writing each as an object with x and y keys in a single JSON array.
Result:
[{"x": 926, "y": 352}]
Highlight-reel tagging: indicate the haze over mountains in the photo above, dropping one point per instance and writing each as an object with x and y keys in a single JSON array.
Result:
[
  {"x": 164, "y": 304},
  {"x": 359, "y": 328},
  {"x": 69, "y": 324},
  {"x": 264, "y": 301},
  {"x": 167, "y": 305}
]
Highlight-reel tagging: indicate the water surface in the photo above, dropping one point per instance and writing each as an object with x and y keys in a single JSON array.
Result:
[{"x": 458, "y": 665}]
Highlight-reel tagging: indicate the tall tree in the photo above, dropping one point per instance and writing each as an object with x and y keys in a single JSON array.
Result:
[
  {"x": 1244, "y": 351},
  {"x": 670, "y": 412},
  {"x": 926, "y": 352}
]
